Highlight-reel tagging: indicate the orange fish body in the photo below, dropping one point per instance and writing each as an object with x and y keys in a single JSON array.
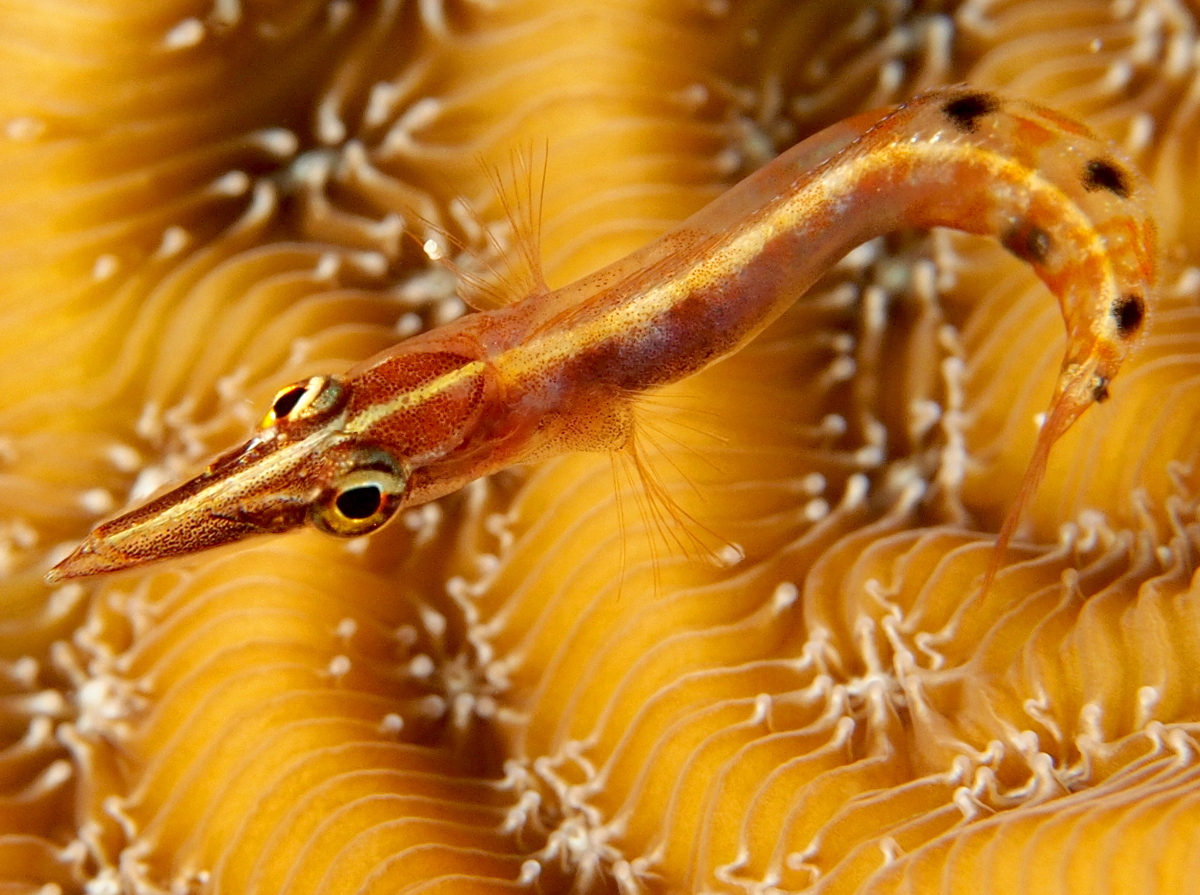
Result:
[{"x": 559, "y": 370}]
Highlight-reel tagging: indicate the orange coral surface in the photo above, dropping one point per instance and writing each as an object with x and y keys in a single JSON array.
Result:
[{"x": 541, "y": 684}]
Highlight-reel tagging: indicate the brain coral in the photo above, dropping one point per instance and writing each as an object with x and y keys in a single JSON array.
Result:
[{"x": 547, "y": 683}]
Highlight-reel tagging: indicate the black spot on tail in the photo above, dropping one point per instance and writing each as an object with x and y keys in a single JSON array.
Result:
[
  {"x": 1101, "y": 174},
  {"x": 1029, "y": 242},
  {"x": 1128, "y": 311},
  {"x": 965, "y": 110}
]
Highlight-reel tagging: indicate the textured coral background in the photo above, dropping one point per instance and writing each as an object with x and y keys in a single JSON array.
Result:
[{"x": 542, "y": 683}]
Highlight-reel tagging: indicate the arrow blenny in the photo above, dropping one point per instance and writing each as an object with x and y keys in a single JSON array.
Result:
[{"x": 560, "y": 370}]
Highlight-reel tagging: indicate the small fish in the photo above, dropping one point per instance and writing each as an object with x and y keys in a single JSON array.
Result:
[{"x": 560, "y": 370}]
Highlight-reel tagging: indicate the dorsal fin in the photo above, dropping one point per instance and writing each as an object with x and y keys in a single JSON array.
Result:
[
  {"x": 496, "y": 262},
  {"x": 522, "y": 197}
]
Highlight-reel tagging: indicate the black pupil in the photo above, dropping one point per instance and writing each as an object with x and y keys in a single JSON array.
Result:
[
  {"x": 1128, "y": 310},
  {"x": 284, "y": 403},
  {"x": 360, "y": 502}
]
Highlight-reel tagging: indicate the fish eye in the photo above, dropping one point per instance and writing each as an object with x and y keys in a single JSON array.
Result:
[
  {"x": 359, "y": 502},
  {"x": 287, "y": 399},
  {"x": 307, "y": 398}
]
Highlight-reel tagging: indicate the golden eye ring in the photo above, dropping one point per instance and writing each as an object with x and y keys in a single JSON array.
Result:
[
  {"x": 360, "y": 502},
  {"x": 302, "y": 400}
]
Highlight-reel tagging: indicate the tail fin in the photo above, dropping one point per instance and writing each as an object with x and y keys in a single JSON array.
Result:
[{"x": 1079, "y": 387}]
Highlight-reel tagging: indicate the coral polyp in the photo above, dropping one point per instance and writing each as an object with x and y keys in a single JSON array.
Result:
[{"x": 537, "y": 684}]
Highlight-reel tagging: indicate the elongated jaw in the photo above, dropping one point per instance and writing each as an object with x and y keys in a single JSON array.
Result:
[
  {"x": 319, "y": 476},
  {"x": 199, "y": 515},
  {"x": 252, "y": 490},
  {"x": 93, "y": 557}
]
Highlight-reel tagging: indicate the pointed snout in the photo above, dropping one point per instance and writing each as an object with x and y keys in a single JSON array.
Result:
[
  {"x": 92, "y": 557},
  {"x": 259, "y": 489}
]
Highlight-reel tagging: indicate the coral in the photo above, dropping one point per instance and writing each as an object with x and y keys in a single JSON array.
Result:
[{"x": 773, "y": 669}]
